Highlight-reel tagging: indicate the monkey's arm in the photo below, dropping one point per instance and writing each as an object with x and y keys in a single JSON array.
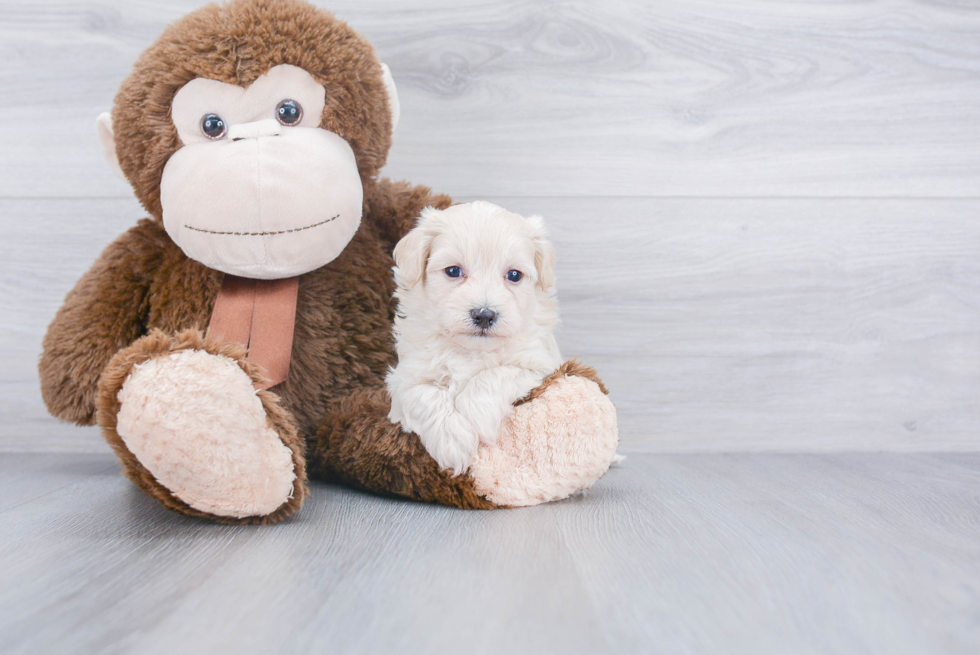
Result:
[
  {"x": 103, "y": 313},
  {"x": 393, "y": 207}
]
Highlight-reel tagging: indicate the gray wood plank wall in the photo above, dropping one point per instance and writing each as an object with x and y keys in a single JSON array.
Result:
[{"x": 766, "y": 212}]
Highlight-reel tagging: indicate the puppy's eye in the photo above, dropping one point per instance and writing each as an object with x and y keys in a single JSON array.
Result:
[
  {"x": 514, "y": 276},
  {"x": 454, "y": 271},
  {"x": 213, "y": 126},
  {"x": 289, "y": 112}
]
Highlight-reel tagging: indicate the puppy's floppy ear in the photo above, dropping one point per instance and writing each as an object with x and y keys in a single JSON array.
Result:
[
  {"x": 412, "y": 252},
  {"x": 544, "y": 253}
]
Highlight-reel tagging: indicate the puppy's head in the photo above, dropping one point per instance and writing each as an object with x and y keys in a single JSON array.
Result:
[{"x": 477, "y": 273}]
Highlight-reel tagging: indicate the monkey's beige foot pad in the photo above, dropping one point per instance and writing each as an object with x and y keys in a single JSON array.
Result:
[
  {"x": 559, "y": 443},
  {"x": 194, "y": 420}
]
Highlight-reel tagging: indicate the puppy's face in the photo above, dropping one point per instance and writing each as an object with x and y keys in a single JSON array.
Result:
[{"x": 478, "y": 270}]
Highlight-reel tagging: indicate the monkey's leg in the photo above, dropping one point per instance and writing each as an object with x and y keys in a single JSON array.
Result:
[
  {"x": 190, "y": 429},
  {"x": 560, "y": 439}
]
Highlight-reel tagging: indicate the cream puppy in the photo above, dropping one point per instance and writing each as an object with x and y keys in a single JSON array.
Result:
[{"x": 473, "y": 330}]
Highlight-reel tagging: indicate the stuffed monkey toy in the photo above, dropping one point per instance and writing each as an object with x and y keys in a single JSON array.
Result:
[{"x": 236, "y": 340}]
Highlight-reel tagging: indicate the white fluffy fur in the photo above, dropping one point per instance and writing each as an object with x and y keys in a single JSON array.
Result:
[{"x": 455, "y": 384}]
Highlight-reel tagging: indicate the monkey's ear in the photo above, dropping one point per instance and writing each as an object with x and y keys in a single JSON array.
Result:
[
  {"x": 103, "y": 125},
  {"x": 393, "y": 103}
]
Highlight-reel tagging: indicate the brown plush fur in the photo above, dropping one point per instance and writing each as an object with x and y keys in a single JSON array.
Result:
[
  {"x": 143, "y": 289},
  {"x": 159, "y": 344}
]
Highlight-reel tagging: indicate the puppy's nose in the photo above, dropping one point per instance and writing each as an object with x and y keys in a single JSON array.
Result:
[{"x": 483, "y": 317}]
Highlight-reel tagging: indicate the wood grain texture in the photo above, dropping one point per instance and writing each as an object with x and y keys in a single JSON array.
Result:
[
  {"x": 796, "y": 325},
  {"x": 718, "y": 325},
  {"x": 704, "y": 97},
  {"x": 753, "y": 554}
]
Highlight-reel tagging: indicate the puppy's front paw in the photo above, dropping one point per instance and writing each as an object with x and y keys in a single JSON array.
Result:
[
  {"x": 486, "y": 412},
  {"x": 454, "y": 445}
]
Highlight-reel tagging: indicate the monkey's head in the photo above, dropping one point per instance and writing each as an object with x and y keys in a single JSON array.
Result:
[{"x": 249, "y": 129}]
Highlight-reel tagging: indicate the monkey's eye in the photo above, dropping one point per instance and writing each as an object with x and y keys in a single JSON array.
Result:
[
  {"x": 213, "y": 126},
  {"x": 454, "y": 271},
  {"x": 289, "y": 112},
  {"x": 514, "y": 276}
]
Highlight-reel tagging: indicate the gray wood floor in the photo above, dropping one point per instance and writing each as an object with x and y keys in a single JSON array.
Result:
[{"x": 854, "y": 553}]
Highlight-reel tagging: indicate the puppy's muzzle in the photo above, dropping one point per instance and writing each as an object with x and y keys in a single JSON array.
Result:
[{"x": 483, "y": 318}]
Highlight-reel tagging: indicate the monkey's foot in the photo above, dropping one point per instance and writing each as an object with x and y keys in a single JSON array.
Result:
[
  {"x": 560, "y": 440},
  {"x": 191, "y": 430}
]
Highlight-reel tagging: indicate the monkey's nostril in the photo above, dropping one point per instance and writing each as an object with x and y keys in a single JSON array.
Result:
[
  {"x": 255, "y": 129},
  {"x": 483, "y": 317}
]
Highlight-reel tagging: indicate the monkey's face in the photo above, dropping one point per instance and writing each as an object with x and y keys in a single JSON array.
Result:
[
  {"x": 258, "y": 188},
  {"x": 248, "y": 129}
]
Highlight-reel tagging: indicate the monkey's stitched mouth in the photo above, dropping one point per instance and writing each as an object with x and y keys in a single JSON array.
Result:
[{"x": 263, "y": 234}]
